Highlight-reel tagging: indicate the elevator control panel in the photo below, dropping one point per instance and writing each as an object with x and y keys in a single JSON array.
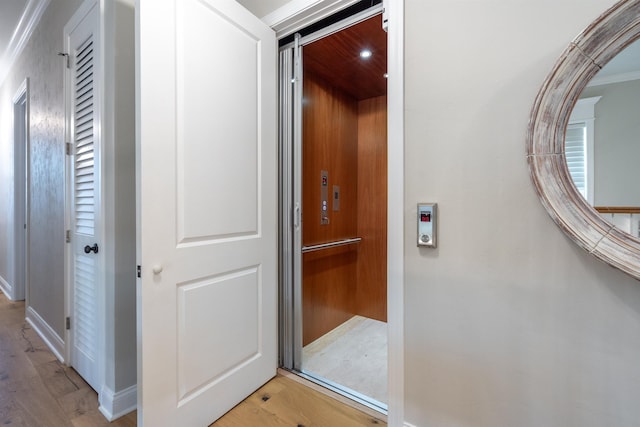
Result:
[
  {"x": 427, "y": 221},
  {"x": 324, "y": 198}
]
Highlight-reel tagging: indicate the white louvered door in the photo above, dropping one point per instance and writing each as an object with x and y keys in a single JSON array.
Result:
[{"x": 85, "y": 260}]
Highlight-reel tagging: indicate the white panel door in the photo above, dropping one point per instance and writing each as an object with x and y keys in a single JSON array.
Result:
[
  {"x": 85, "y": 266},
  {"x": 207, "y": 176}
]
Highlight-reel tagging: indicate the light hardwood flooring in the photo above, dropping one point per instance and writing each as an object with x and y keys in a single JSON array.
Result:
[
  {"x": 36, "y": 390},
  {"x": 283, "y": 402}
]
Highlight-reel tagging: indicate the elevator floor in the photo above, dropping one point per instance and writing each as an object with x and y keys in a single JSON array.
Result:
[{"x": 353, "y": 355}]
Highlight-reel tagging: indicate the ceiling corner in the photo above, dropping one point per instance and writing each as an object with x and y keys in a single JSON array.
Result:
[{"x": 23, "y": 26}]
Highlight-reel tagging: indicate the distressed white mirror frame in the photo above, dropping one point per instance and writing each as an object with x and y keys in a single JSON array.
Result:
[{"x": 582, "y": 59}]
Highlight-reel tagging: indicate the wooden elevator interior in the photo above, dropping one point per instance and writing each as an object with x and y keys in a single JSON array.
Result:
[{"x": 345, "y": 134}]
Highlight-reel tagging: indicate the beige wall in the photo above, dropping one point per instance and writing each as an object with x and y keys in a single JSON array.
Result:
[
  {"x": 616, "y": 143},
  {"x": 507, "y": 323}
]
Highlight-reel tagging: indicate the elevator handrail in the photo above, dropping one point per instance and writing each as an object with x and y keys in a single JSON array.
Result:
[{"x": 331, "y": 244}]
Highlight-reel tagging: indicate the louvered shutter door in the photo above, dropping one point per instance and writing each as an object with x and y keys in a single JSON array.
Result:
[
  {"x": 575, "y": 148},
  {"x": 84, "y": 141},
  {"x": 85, "y": 198}
]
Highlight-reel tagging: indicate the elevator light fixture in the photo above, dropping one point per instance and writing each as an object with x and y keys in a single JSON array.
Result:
[{"x": 365, "y": 54}]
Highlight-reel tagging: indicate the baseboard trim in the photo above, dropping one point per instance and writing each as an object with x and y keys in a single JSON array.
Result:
[
  {"x": 115, "y": 405},
  {"x": 409, "y": 425},
  {"x": 6, "y": 288},
  {"x": 46, "y": 332}
]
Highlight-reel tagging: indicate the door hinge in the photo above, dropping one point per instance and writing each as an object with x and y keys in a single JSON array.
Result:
[
  {"x": 139, "y": 271},
  {"x": 385, "y": 16},
  {"x": 68, "y": 148},
  {"x": 66, "y": 57},
  {"x": 67, "y": 322},
  {"x": 67, "y": 236}
]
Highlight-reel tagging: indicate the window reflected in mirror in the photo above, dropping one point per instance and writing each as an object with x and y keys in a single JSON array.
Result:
[{"x": 602, "y": 141}]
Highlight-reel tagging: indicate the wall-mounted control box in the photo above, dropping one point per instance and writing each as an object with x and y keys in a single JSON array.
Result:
[{"x": 427, "y": 221}]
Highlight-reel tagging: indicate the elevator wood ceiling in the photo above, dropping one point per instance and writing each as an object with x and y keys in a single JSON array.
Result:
[{"x": 336, "y": 59}]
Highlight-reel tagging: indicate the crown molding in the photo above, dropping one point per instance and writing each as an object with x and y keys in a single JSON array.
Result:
[
  {"x": 617, "y": 78},
  {"x": 298, "y": 14},
  {"x": 25, "y": 27}
]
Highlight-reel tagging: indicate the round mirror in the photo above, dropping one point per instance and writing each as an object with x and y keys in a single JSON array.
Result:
[{"x": 558, "y": 119}]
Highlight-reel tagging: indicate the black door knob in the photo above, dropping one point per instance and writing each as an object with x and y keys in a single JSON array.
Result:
[{"x": 88, "y": 249}]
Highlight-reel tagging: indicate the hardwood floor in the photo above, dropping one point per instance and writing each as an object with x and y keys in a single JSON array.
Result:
[
  {"x": 36, "y": 390},
  {"x": 283, "y": 402}
]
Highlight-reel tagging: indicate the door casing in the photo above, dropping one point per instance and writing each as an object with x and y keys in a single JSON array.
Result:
[
  {"x": 293, "y": 17},
  {"x": 21, "y": 191}
]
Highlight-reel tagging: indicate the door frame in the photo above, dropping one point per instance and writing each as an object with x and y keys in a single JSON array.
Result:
[
  {"x": 19, "y": 288},
  {"x": 296, "y": 15},
  {"x": 99, "y": 82}
]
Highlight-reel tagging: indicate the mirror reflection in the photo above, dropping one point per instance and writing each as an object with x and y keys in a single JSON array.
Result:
[{"x": 602, "y": 141}]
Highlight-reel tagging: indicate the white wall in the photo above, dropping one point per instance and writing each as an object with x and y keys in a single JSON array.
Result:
[
  {"x": 120, "y": 195},
  {"x": 617, "y": 144},
  {"x": 40, "y": 63},
  {"x": 507, "y": 323},
  {"x": 261, "y": 8}
]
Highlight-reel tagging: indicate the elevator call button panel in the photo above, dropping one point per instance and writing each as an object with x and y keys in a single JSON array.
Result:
[
  {"x": 324, "y": 197},
  {"x": 427, "y": 220}
]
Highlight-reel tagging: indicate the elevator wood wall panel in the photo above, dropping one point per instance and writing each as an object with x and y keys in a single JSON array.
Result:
[
  {"x": 371, "y": 289},
  {"x": 330, "y": 143}
]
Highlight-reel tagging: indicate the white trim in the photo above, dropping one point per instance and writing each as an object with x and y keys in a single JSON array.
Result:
[
  {"x": 617, "y": 78},
  {"x": 299, "y": 14},
  {"x": 33, "y": 11},
  {"x": 6, "y": 288},
  {"x": 21, "y": 91},
  {"x": 409, "y": 425},
  {"x": 21, "y": 203},
  {"x": 395, "y": 209},
  {"x": 585, "y": 109},
  {"x": 115, "y": 405},
  {"x": 341, "y": 25},
  {"x": 48, "y": 335}
]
